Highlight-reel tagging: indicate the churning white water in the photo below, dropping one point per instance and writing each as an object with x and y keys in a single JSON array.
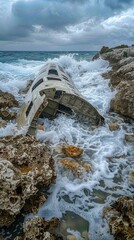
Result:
[{"x": 110, "y": 157}]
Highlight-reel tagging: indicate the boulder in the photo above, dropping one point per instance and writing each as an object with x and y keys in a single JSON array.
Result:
[
  {"x": 123, "y": 103},
  {"x": 72, "y": 151},
  {"x": 132, "y": 176},
  {"x": 40, "y": 229},
  {"x": 5, "y": 114},
  {"x": 3, "y": 123},
  {"x": 26, "y": 165},
  {"x": 77, "y": 168},
  {"x": 7, "y": 100},
  {"x": 120, "y": 217},
  {"x": 129, "y": 137},
  {"x": 114, "y": 126}
]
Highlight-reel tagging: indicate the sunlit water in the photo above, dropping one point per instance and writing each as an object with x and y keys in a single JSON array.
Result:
[{"x": 78, "y": 201}]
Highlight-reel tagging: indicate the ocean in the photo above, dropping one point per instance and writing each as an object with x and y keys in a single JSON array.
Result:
[{"x": 79, "y": 202}]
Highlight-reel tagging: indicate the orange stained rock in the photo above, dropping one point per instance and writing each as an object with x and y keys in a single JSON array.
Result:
[
  {"x": 74, "y": 166},
  {"x": 72, "y": 151}
]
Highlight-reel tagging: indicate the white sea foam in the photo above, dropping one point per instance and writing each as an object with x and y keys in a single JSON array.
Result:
[{"x": 108, "y": 154}]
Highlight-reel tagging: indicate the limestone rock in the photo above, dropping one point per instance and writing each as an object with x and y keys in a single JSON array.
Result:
[
  {"x": 123, "y": 102},
  {"x": 122, "y": 76},
  {"x": 27, "y": 166},
  {"x": 7, "y": 100},
  {"x": 72, "y": 151},
  {"x": 7, "y": 115},
  {"x": 10, "y": 192},
  {"x": 114, "y": 126},
  {"x": 121, "y": 218},
  {"x": 132, "y": 176},
  {"x": 129, "y": 137},
  {"x": 39, "y": 229},
  {"x": 77, "y": 168},
  {"x": 3, "y": 123}
]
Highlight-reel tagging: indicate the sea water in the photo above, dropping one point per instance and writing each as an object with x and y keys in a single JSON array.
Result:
[{"x": 79, "y": 202}]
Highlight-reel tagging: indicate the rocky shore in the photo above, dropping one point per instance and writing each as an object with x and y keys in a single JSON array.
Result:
[
  {"x": 27, "y": 168},
  {"x": 120, "y": 214},
  {"x": 121, "y": 77}
]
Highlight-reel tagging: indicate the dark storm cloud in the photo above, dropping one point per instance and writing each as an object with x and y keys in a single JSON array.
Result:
[
  {"x": 55, "y": 23},
  {"x": 50, "y": 14},
  {"x": 118, "y": 4}
]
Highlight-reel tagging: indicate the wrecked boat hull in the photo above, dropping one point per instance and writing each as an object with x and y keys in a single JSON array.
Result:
[{"x": 51, "y": 93}]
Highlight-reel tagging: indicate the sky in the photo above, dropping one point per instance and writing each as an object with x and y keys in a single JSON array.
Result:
[{"x": 65, "y": 25}]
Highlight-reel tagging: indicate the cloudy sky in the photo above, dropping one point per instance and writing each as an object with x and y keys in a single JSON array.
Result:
[{"x": 65, "y": 24}]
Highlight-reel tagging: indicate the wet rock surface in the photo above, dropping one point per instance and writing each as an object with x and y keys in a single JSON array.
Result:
[
  {"x": 120, "y": 217},
  {"x": 7, "y": 100},
  {"x": 40, "y": 229},
  {"x": 72, "y": 151},
  {"x": 122, "y": 77},
  {"x": 25, "y": 166},
  {"x": 76, "y": 167}
]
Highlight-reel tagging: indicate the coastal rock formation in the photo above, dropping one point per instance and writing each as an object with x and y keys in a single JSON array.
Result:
[
  {"x": 7, "y": 100},
  {"x": 122, "y": 76},
  {"x": 26, "y": 165},
  {"x": 40, "y": 229},
  {"x": 72, "y": 151},
  {"x": 120, "y": 217},
  {"x": 77, "y": 168}
]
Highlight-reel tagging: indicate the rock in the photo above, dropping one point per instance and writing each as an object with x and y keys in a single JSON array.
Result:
[
  {"x": 77, "y": 168},
  {"x": 40, "y": 229},
  {"x": 26, "y": 165},
  {"x": 7, "y": 100},
  {"x": 121, "y": 218},
  {"x": 121, "y": 60},
  {"x": 7, "y": 115},
  {"x": 132, "y": 176},
  {"x": 3, "y": 123},
  {"x": 72, "y": 151},
  {"x": 85, "y": 235},
  {"x": 96, "y": 56},
  {"x": 114, "y": 126},
  {"x": 71, "y": 237},
  {"x": 10, "y": 192},
  {"x": 129, "y": 137},
  {"x": 123, "y": 103}
]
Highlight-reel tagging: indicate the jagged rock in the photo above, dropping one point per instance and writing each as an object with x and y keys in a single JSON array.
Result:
[
  {"x": 72, "y": 151},
  {"x": 10, "y": 192},
  {"x": 40, "y": 229},
  {"x": 123, "y": 102},
  {"x": 26, "y": 165},
  {"x": 129, "y": 137},
  {"x": 7, "y": 115},
  {"x": 7, "y": 100},
  {"x": 132, "y": 176},
  {"x": 118, "y": 54},
  {"x": 77, "y": 168},
  {"x": 3, "y": 123},
  {"x": 121, "y": 218},
  {"x": 122, "y": 76},
  {"x": 114, "y": 126}
]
